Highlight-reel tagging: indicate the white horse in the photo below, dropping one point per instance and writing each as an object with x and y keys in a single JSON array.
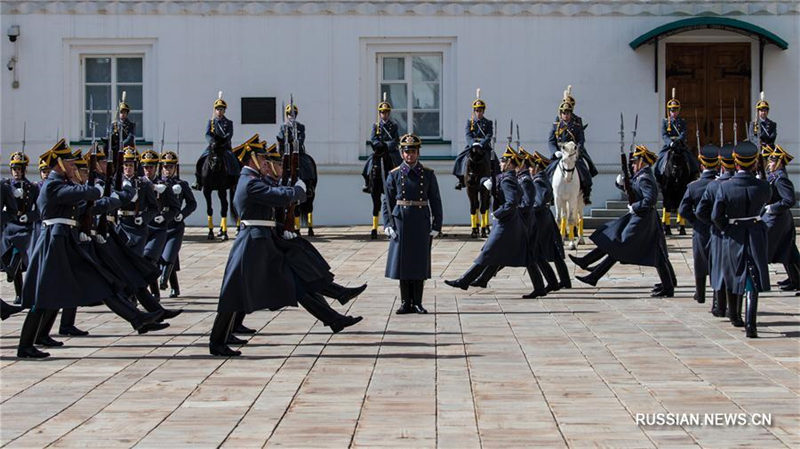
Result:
[{"x": 568, "y": 197}]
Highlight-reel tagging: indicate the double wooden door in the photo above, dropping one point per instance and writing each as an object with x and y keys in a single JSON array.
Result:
[{"x": 712, "y": 82}]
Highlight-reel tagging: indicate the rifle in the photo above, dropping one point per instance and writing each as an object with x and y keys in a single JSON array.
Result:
[
  {"x": 163, "y": 130},
  {"x": 87, "y": 219},
  {"x": 291, "y": 160},
  {"x": 721, "y": 129},
  {"x": 626, "y": 176},
  {"x": 734, "y": 122},
  {"x": 24, "y": 131},
  {"x": 178, "y": 153},
  {"x": 697, "y": 131},
  {"x": 517, "y": 137},
  {"x": 26, "y": 186}
]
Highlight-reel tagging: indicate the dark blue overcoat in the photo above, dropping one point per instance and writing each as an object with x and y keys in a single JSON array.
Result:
[
  {"x": 716, "y": 274},
  {"x": 145, "y": 207},
  {"x": 17, "y": 236},
  {"x": 549, "y": 245},
  {"x": 701, "y": 230},
  {"x": 168, "y": 207},
  {"x": 176, "y": 229},
  {"x": 507, "y": 244},
  {"x": 780, "y": 225}
]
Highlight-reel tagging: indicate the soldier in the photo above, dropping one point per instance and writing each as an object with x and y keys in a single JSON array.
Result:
[
  {"x": 635, "y": 238},
  {"x": 412, "y": 216},
  {"x": 569, "y": 129},
  {"x": 307, "y": 168},
  {"x": 175, "y": 229},
  {"x": 61, "y": 273},
  {"x": 737, "y": 213},
  {"x": 478, "y": 133},
  {"x": 168, "y": 207},
  {"x": 123, "y": 129},
  {"x": 135, "y": 217},
  {"x": 44, "y": 170},
  {"x": 709, "y": 160},
  {"x": 257, "y": 275},
  {"x": 384, "y": 158},
  {"x": 525, "y": 175},
  {"x": 763, "y": 130},
  {"x": 779, "y": 221},
  {"x": 17, "y": 233},
  {"x": 507, "y": 245},
  {"x": 673, "y": 134},
  {"x": 7, "y": 212}
]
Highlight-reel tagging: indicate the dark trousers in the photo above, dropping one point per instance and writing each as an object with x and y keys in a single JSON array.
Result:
[
  {"x": 411, "y": 291},
  {"x": 68, "y": 317}
]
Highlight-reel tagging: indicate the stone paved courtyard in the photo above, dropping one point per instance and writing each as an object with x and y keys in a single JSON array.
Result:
[{"x": 483, "y": 369}]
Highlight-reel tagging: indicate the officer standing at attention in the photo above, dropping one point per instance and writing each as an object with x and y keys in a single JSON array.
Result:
[
  {"x": 412, "y": 216},
  {"x": 709, "y": 161},
  {"x": 479, "y": 132}
]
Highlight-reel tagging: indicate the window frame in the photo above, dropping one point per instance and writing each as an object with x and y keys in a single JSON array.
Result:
[
  {"x": 114, "y": 86},
  {"x": 408, "y": 81}
]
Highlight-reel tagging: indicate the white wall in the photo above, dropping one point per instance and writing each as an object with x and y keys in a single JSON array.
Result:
[{"x": 522, "y": 65}]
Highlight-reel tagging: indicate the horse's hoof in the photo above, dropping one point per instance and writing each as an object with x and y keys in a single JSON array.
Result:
[
  {"x": 224, "y": 235},
  {"x": 311, "y": 232},
  {"x": 682, "y": 230},
  {"x": 210, "y": 235},
  {"x": 373, "y": 235},
  {"x": 474, "y": 233},
  {"x": 484, "y": 232},
  {"x": 667, "y": 230},
  {"x": 581, "y": 241}
]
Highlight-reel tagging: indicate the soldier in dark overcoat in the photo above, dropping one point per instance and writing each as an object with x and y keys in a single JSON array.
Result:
[
  {"x": 18, "y": 227},
  {"x": 134, "y": 218},
  {"x": 307, "y": 171},
  {"x": 674, "y": 135},
  {"x": 479, "y": 132},
  {"x": 7, "y": 211},
  {"x": 778, "y": 218},
  {"x": 384, "y": 140},
  {"x": 176, "y": 228},
  {"x": 412, "y": 216},
  {"x": 701, "y": 235}
]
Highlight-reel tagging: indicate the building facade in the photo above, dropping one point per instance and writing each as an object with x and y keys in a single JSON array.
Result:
[{"x": 337, "y": 58}]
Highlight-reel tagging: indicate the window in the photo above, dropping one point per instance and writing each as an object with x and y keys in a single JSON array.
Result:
[
  {"x": 257, "y": 110},
  {"x": 412, "y": 84},
  {"x": 105, "y": 78}
]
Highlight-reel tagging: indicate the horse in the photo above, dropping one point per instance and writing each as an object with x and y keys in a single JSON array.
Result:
[
  {"x": 215, "y": 176},
  {"x": 378, "y": 168},
  {"x": 675, "y": 175},
  {"x": 567, "y": 193},
  {"x": 478, "y": 167},
  {"x": 304, "y": 212}
]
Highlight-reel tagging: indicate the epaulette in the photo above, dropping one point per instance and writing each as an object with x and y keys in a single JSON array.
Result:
[{"x": 394, "y": 169}]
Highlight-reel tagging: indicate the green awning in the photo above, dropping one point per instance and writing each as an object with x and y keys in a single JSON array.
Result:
[{"x": 719, "y": 23}]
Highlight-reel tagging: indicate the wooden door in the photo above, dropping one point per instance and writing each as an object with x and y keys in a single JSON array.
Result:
[{"x": 709, "y": 79}]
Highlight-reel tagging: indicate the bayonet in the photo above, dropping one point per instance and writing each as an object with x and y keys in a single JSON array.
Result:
[
  {"x": 697, "y": 131},
  {"x": 518, "y": 140},
  {"x": 24, "y": 131},
  {"x": 721, "y": 128},
  {"x": 163, "y": 130},
  {"x": 635, "y": 129}
]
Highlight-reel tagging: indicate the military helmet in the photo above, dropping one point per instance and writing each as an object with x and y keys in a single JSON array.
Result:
[
  {"x": 289, "y": 108},
  {"x": 19, "y": 159},
  {"x": 384, "y": 105},
  {"x": 410, "y": 141},
  {"x": 251, "y": 146},
  {"x": 565, "y": 106},
  {"x": 709, "y": 156},
  {"x": 129, "y": 154},
  {"x": 673, "y": 103},
  {"x": 149, "y": 158},
  {"x": 169, "y": 158},
  {"x": 524, "y": 156},
  {"x": 745, "y": 154},
  {"x": 781, "y": 154},
  {"x": 59, "y": 151},
  {"x": 478, "y": 103},
  {"x": 762, "y": 103},
  {"x": 219, "y": 102},
  {"x": 641, "y": 152},
  {"x": 568, "y": 96},
  {"x": 766, "y": 150}
]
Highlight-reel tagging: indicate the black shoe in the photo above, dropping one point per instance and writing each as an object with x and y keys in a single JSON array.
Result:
[
  {"x": 786, "y": 281},
  {"x": 46, "y": 340},
  {"x": 17, "y": 301},
  {"x": 682, "y": 230},
  {"x": 373, "y": 235},
  {"x": 419, "y": 309},
  {"x": 10, "y": 310},
  {"x": 210, "y": 234},
  {"x": 145, "y": 318},
  {"x": 662, "y": 293},
  {"x": 700, "y": 298},
  {"x": 350, "y": 293},
  {"x": 242, "y": 329},
  {"x": 667, "y": 230},
  {"x": 737, "y": 322},
  {"x": 479, "y": 283},
  {"x": 535, "y": 294},
  {"x": 344, "y": 322},
  {"x": 31, "y": 353},
  {"x": 170, "y": 314},
  {"x": 457, "y": 284},
  {"x": 223, "y": 351},
  {"x": 751, "y": 332},
  {"x": 578, "y": 261},
  {"x": 71, "y": 331},
  {"x": 552, "y": 288},
  {"x": 234, "y": 340},
  {"x": 152, "y": 327},
  {"x": 484, "y": 232},
  {"x": 459, "y": 185},
  {"x": 474, "y": 233},
  {"x": 174, "y": 292},
  {"x": 310, "y": 232},
  {"x": 587, "y": 280},
  {"x": 405, "y": 307},
  {"x": 789, "y": 287},
  {"x": 566, "y": 284}
]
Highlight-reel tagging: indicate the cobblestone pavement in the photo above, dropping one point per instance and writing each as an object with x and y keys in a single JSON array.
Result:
[{"x": 484, "y": 369}]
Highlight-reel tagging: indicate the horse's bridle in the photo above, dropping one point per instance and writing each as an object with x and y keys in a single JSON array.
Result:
[{"x": 567, "y": 171}]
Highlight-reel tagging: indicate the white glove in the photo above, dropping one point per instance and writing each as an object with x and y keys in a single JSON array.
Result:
[
  {"x": 492, "y": 216},
  {"x": 100, "y": 189},
  {"x": 558, "y": 154},
  {"x": 100, "y": 239},
  {"x": 620, "y": 180},
  {"x": 179, "y": 218},
  {"x": 434, "y": 233},
  {"x": 767, "y": 210},
  {"x": 390, "y": 232},
  {"x": 176, "y": 189},
  {"x": 300, "y": 184},
  {"x": 135, "y": 197},
  {"x": 288, "y": 235},
  {"x": 137, "y": 221},
  {"x": 126, "y": 183},
  {"x": 24, "y": 218},
  {"x": 84, "y": 238},
  {"x": 114, "y": 195},
  {"x": 488, "y": 184},
  {"x": 630, "y": 208},
  {"x": 160, "y": 188},
  {"x": 159, "y": 219},
  {"x": 18, "y": 192}
]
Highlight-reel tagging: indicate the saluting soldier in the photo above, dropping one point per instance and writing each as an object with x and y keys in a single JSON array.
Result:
[
  {"x": 709, "y": 161},
  {"x": 257, "y": 275},
  {"x": 135, "y": 216},
  {"x": 764, "y": 131},
  {"x": 478, "y": 133},
  {"x": 635, "y": 238},
  {"x": 385, "y": 157},
  {"x": 565, "y": 129},
  {"x": 17, "y": 233},
  {"x": 778, "y": 218},
  {"x": 737, "y": 213},
  {"x": 507, "y": 245},
  {"x": 61, "y": 273},
  {"x": 412, "y": 216},
  {"x": 176, "y": 228}
]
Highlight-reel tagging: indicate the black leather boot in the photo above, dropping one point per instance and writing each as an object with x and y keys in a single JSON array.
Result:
[
  {"x": 6, "y": 310},
  {"x": 67, "y": 326},
  {"x": 43, "y": 337},
  {"x": 601, "y": 269},
  {"x": 238, "y": 325},
  {"x": 735, "y": 309},
  {"x": 751, "y": 314},
  {"x": 563, "y": 273},
  {"x": 321, "y": 310},
  {"x": 418, "y": 287},
  {"x": 166, "y": 273},
  {"x": 406, "y": 301},
  {"x": 127, "y": 311},
  {"x": 700, "y": 288},
  {"x": 27, "y": 336},
  {"x": 175, "y": 289},
  {"x": 667, "y": 289},
  {"x": 549, "y": 276},
  {"x": 588, "y": 259},
  {"x": 536, "y": 281},
  {"x": 486, "y": 275},
  {"x": 341, "y": 293},
  {"x": 217, "y": 342},
  {"x": 463, "y": 282},
  {"x": 149, "y": 302}
]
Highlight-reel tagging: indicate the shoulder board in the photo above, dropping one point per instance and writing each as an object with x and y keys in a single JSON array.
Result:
[
  {"x": 427, "y": 169},
  {"x": 394, "y": 169}
]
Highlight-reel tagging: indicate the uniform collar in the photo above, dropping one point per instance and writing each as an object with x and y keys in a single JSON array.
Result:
[
  {"x": 406, "y": 169},
  {"x": 247, "y": 170},
  {"x": 710, "y": 174}
]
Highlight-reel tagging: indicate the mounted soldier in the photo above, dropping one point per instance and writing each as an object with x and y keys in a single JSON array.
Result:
[
  {"x": 479, "y": 132},
  {"x": 763, "y": 131},
  {"x": 122, "y": 132},
  {"x": 385, "y": 157},
  {"x": 176, "y": 228},
  {"x": 308, "y": 167}
]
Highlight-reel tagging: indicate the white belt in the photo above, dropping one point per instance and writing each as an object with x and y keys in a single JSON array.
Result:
[
  {"x": 265, "y": 223},
  {"x": 64, "y": 221},
  {"x": 126, "y": 213},
  {"x": 736, "y": 220}
]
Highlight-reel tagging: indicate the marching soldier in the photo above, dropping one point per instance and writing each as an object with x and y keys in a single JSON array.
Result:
[
  {"x": 737, "y": 213},
  {"x": 7, "y": 213},
  {"x": 709, "y": 161},
  {"x": 176, "y": 228},
  {"x": 779, "y": 221},
  {"x": 384, "y": 158},
  {"x": 764, "y": 131},
  {"x": 478, "y": 133},
  {"x": 135, "y": 216},
  {"x": 412, "y": 216},
  {"x": 635, "y": 238},
  {"x": 568, "y": 128},
  {"x": 525, "y": 175},
  {"x": 123, "y": 129},
  {"x": 167, "y": 206},
  {"x": 61, "y": 273},
  {"x": 17, "y": 233},
  {"x": 507, "y": 245},
  {"x": 258, "y": 275}
]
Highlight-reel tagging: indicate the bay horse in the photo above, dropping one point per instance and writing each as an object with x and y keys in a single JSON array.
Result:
[
  {"x": 380, "y": 166},
  {"x": 675, "y": 176},
  {"x": 567, "y": 195},
  {"x": 478, "y": 167}
]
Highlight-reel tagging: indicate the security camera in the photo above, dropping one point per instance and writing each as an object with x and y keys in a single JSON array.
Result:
[
  {"x": 13, "y": 33},
  {"x": 11, "y": 63}
]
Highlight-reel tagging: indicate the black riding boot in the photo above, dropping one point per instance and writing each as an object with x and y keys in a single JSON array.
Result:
[
  {"x": 463, "y": 282},
  {"x": 735, "y": 309},
  {"x": 341, "y": 293},
  {"x": 218, "y": 341},
  {"x": 667, "y": 289},
  {"x": 418, "y": 286},
  {"x": 6, "y": 309},
  {"x": 601, "y": 269},
  {"x": 536, "y": 280},
  {"x": 486, "y": 275},
  {"x": 321, "y": 310},
  {"x": 406, "y": 300},
  {"x": 751, "y": 314},
  {"x": 720, "y": 306},
  {"x": 67, "y": 325},
  {"x": 18, "y": 287},
  {"x": 175, "y": 289},
  {"x": 793, "y": 272},
  {"x": 700, "y": 288},
  {"x": 549, "y": 276},
  {"x": 563, "y": 273},
  {"x": 152, "y": 305},
  {"x": 27, "y": 336},
  {"x": 166, "y": 273},
  {"x": 43, "y": 337},
  {"x": 128, "y": 312},
  {"x": 588, "y": 259},
  {"x": 238, "y": 325}
]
